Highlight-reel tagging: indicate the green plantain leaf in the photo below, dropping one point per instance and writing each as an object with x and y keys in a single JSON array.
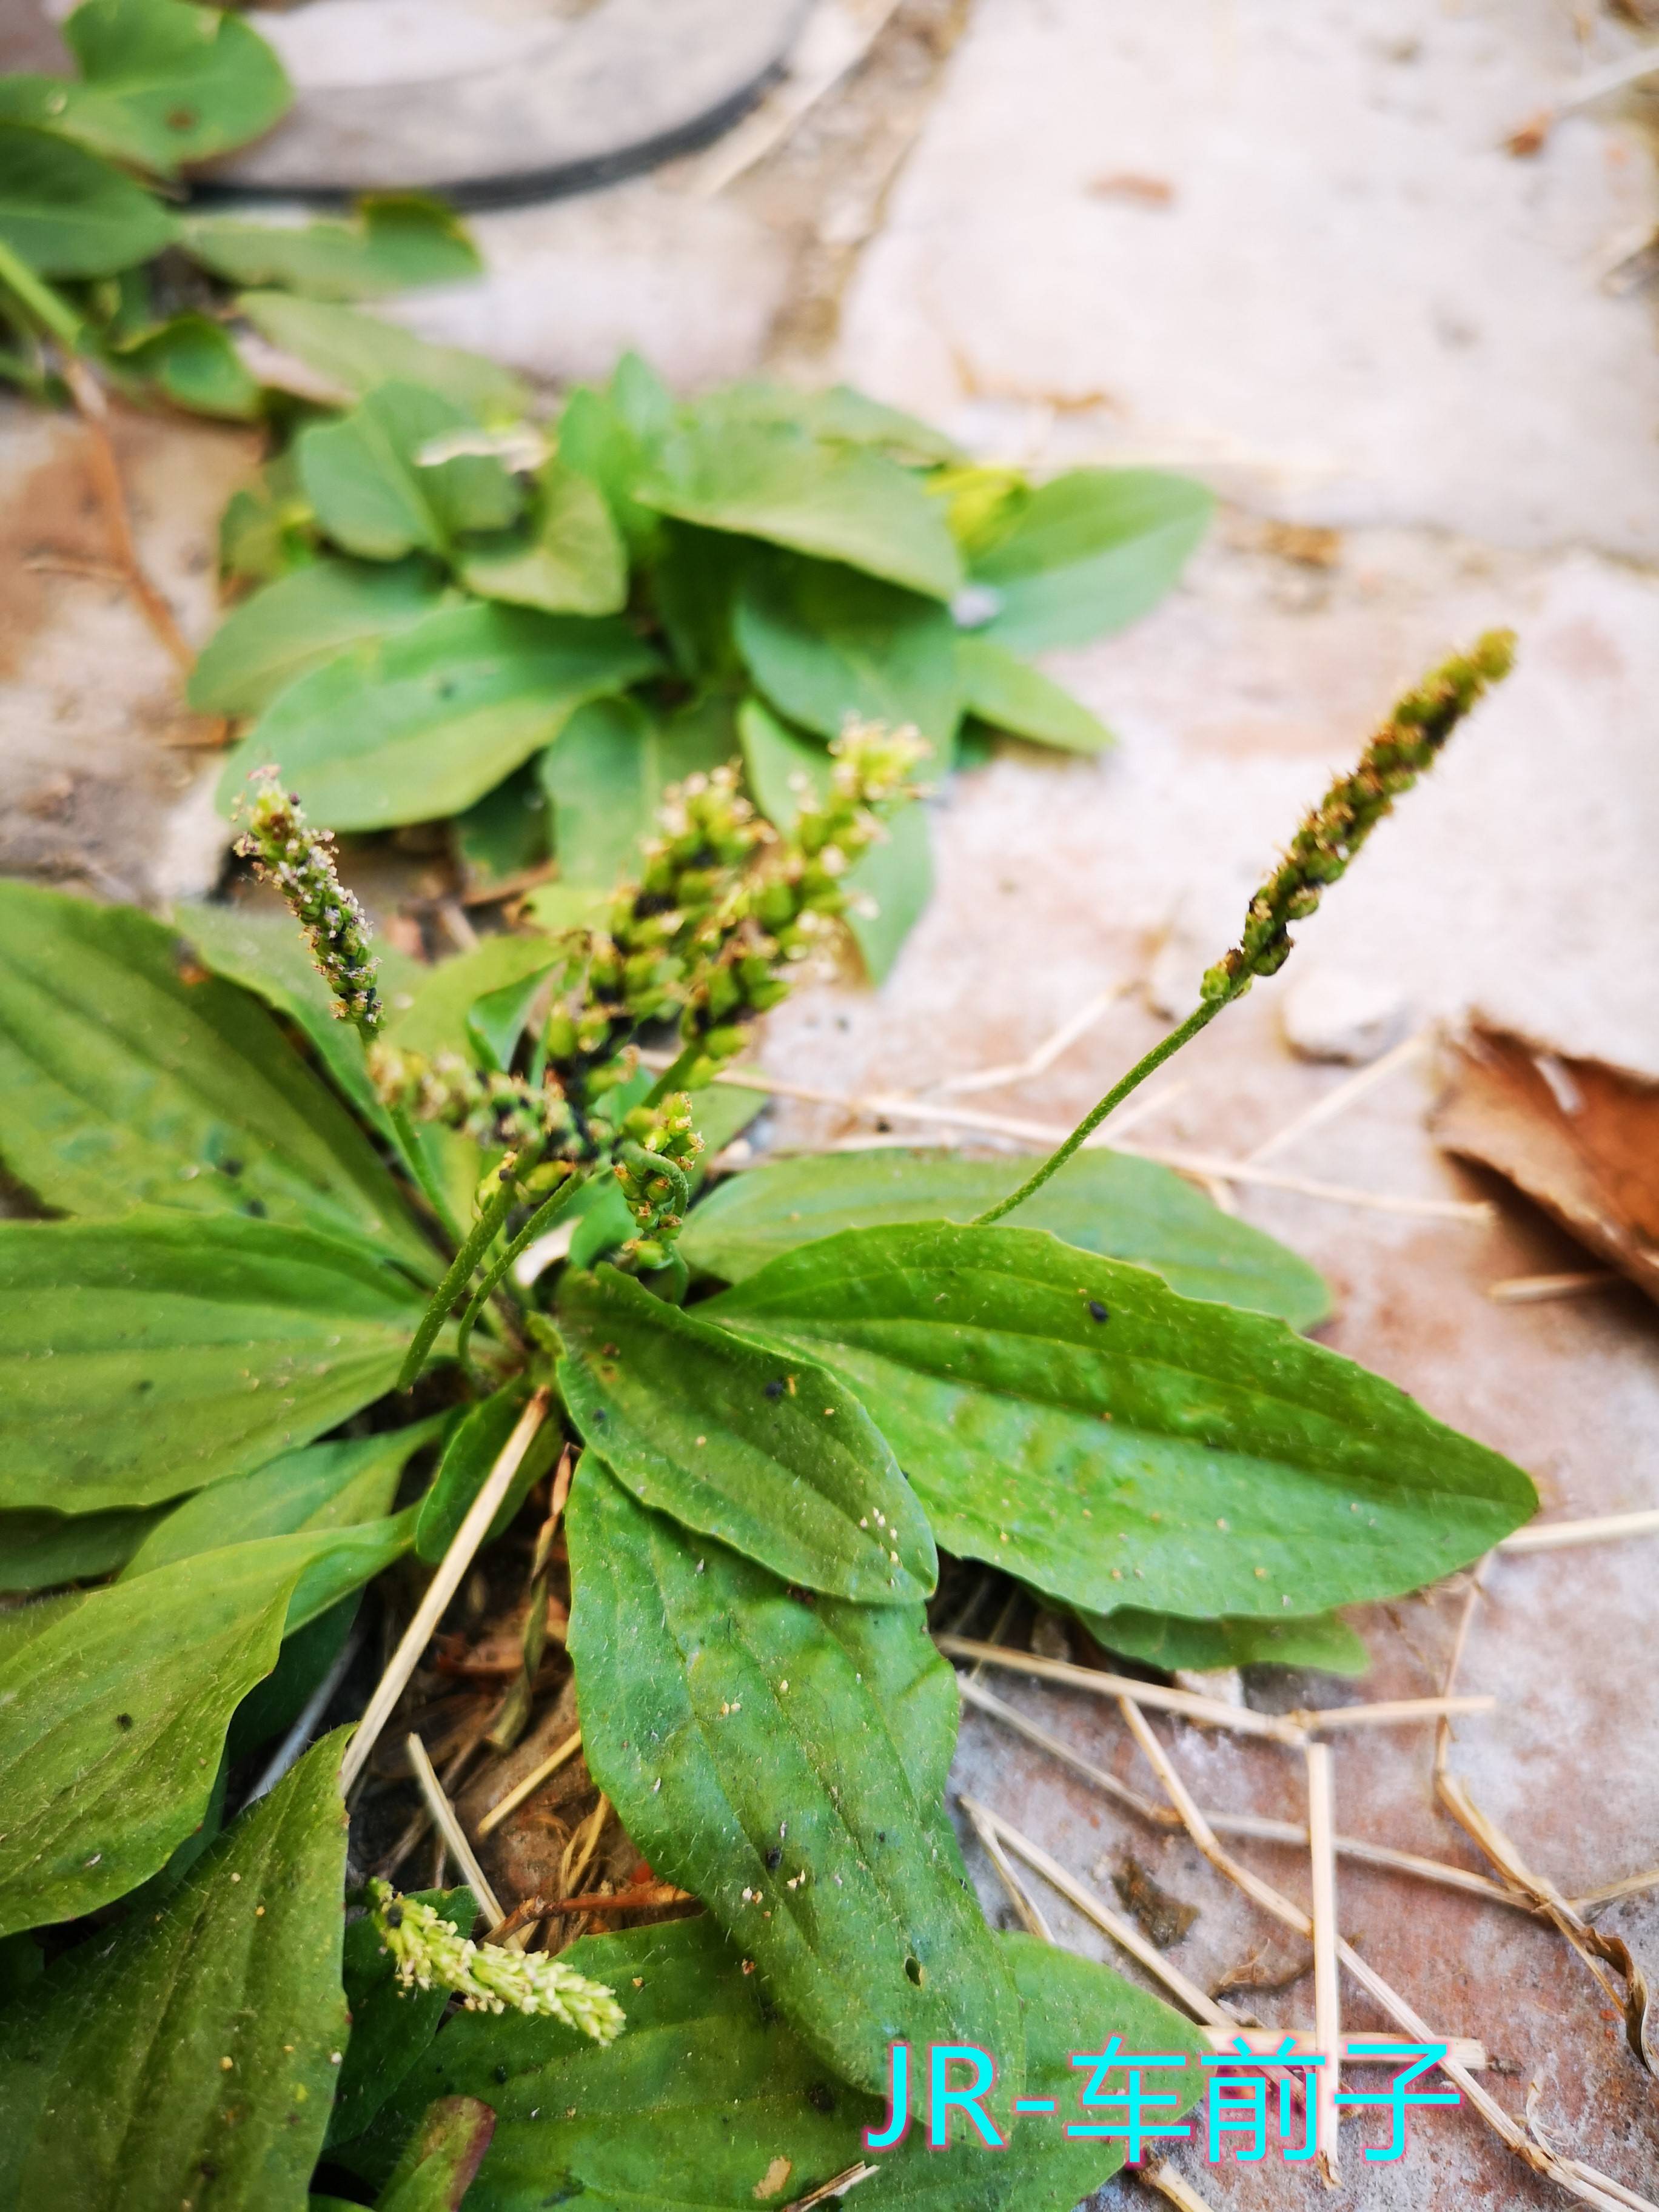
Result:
[
  {"x": 503, "y": 835},
  {"x": 320, "y": 1487},
  {"x": 191, "y": 82},
  {"x": 124, "y": 1084},
  {"x": 1009, "y": 693},
  {"x": 473, "y": 1448},
  {"x": 838, "y": 502},
  {"x": 1323, "y": 1640},
  {"x": 142, "y": 1358},
  {"x": 782, "y": 1464},
  {"x": 824, "y": 641},
  {"x": 1107, "y": 1202},
  {"x": 693, "y": 581},
  {"x": 68, "y": 213},
  {"x": 711, "y": 2102},
  {"x": 188, "y": 2056},
  {"x": 373, "y": 492},
  {"x": 425, "y": 723},
  {"x": 607, "y": 775},
  {"x": 1088, "y": 553},
  {"x": 567, "y": 559},
  {"x": 190, "y": 360},
  {"x": 40, "y": 1549},
  {"x": 394, "y": 241},
  {"x": 303, "y": 620},
  {"x": 726, "y": 1722},
  {"x": 894, "y": 880},
  {"x": 359, "y": 353},
  {"x": 391, "y": 2025},
  {"x": 434, "y": 1017},
  {"x": 612, "y": 437},
  {"x": 111, "y": 1719},
  {"x": 436, "y": 2171},
  {"x": 840, "y": 415},
  {"x": 1072, "y": 1419}
]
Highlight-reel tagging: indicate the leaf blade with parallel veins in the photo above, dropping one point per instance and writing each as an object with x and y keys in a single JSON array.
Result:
[
  {"x": 1107, "y": 1202},
  {"x": 788, "y": 1810},
  {"x": 782, "y": 1464},
  {"x": 300, "y": 621},
  {"x": 144, "y": 1358},
  {"x": 1088, "y": 553},
  {"x": 837, "y": 502},
  {"x": 750, "y": 2107},
  {"x": 424, "y": 723},
  {"x": 126, "y": 1085},
  {"x": 1075, "y": 1421},
  {"x": 111, "y": 1719},
  {"x": 198, "y": 2045}
]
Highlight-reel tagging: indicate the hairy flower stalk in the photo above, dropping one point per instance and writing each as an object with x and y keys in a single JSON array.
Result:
[
  {"x": 286, "y": 851},
  {"x": 1320, "y": 853},
  {"x": 431, "y": 1953}
]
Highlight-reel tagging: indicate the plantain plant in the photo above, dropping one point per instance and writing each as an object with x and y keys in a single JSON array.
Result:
[
  {"x": 285, "y": 1206},
  {"x": 454, "y": 606}
]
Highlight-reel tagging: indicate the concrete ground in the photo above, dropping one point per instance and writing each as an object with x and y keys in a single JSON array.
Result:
[{"x": 1285, "y": 250}]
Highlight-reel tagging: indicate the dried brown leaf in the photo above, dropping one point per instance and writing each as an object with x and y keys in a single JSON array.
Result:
[{"x": 1579, "y": 1137}]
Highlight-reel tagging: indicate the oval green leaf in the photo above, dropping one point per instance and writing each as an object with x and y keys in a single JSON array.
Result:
[
  {"x": 67, "y": 214},
  {"x": 1088, "y": 553},
  {"x": 824, "y": 641},
  {"x": 1009, "y": 693},
  {"x": 300, "y": 621},
  {"x": 1111, "y": 1203},
  {"x": 142, "y": 1358},
  {"x": 770, "y": 480},
  {"x": 779, "y": 1462},
  {"x": 190, "y": 2055},
  {"x": 709, "y": 2081},
  {"x": 728, "y": 1725},
  {"x": 123, "y": 1085},
  {"x": 1075, "y": 1421},
  {"x": 425, "y": 723}
]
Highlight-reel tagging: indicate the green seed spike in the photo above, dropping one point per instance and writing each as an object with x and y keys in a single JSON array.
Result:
[
  {"x": 1408, "y": 742},
  {"x": 1331, "y": 836},
  {"x": 287, "y": 852}
]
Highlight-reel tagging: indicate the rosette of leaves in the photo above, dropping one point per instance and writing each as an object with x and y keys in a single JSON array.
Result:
[
  {"x": 242, "y": 1247},
  {"x": 98, "y": 260},
  {"x": 538, "y": 633}
]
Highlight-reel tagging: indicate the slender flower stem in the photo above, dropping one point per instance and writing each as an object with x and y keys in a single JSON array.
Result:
[
  {"x": 1324, "y": 846},
  {"x": 413, "y": 1153},
  {"x": 1114, "y": 1097},
  {"x": 541, "y": 1220},
  {"x": 477, "y": 1242},
  {"x": 49, "y": 308}
]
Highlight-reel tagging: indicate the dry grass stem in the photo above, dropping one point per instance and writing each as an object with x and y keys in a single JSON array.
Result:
[
  {"x": 1530, "y": 1290},
  {"x": 1337, "y": 1101},
  {"x": 579, "y": 1852},
  {"x": 1043, "y": 1056},
  {"x": 1203, "y": 1166},
  {"x": 1567, "y": 1535},
  {"x": 1616, "y": 2190},
  {"x": 1278, "y": 1728},
  {"x": 1161, "y": 2176},
  {"x": 1467, "y": 2050},
  {"x": 1030, "y": 1916},
  {"x": 1261, "y": 1829},
  {"x": 1122, "y": 1932},
  {"x": 838, "y": 2187},
  {"x": 529, "y": 1784},
  {"x": 634, "y": 1899},
  {"x": 1629, "y": 1991},
  {"x": 1402, "y": 2013},
  {"x": 454, "y": 1836},
  {"x": 443, "y": 1588},
  {"x": 87, "y": 395},
  {"x": 1327, "y": 1996},
  {"x": 1610, "y": 1892}
]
